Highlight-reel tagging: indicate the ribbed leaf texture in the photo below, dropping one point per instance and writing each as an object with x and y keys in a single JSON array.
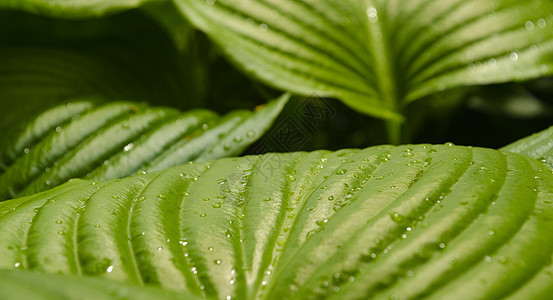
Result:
[
  {"x": 538, "y": 146},
  {"x": 417, "y": 221},
  {"x": 120, "y": 139},
  {"x": 378, "y": 55},
  {"x": 17, "y": 285}
]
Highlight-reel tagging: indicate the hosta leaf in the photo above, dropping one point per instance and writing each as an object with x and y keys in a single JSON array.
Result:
[
  {"x": 119, "y": 139},
  {"x": 44, "y": 61},
  {"x": 538, "y": 146},
  {"x": 28, "y": 285},
  {"x": 418, "y": 221},
  {"x": 73, "y": 8},
  {"x": 378, "y": 55}
]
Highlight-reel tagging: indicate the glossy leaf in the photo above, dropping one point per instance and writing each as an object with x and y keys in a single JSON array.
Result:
[
  {"x": 538, "y": 146},
  {"x": 379, "y": 55},
  {"x": 119, "y": 139},
  {"x": 418, "y": 221},
  {"x": 28, "y": 285}
]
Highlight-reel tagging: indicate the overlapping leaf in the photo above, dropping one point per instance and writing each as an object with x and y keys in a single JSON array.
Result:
[
  {"x": 538, "y": 146},
  {"x": 378, "y": 55},
  {"x": 128, "y": 56},
  {"x": 73, "y": 8},
  {"x": 119, "y": 139},
  {"x": 433, "y": 222}
]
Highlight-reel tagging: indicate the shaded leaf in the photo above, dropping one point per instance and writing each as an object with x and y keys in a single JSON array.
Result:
[
  {"x": 72, "y": 8},
  {"x": 379, "y": 55},
  {"x": 44, "y": 61},
  {"x": 119, "y": 139},
  {"x": 415, "y": 221}
]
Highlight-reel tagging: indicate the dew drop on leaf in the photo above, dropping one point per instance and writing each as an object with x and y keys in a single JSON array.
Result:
[{"x": 396, "y": 217}]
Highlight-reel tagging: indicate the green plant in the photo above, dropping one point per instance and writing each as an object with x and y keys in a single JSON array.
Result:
[
  {"x": 120, "y": 139},
  {"x": 411, "y": 221},
  {"x": 385, "y": 222}
]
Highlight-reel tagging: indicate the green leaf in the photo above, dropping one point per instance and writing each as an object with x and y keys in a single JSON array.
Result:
[
  {"x": 538, "y": 145},
  {"x": 45, "y": 61},
  {"x": 379, "y": 55},
  {"x": 417, "y": 221},
  {"x": 119, "y": 139},
  {"x": 73, "y": 8},
  {"x": 28, "y": 285}
]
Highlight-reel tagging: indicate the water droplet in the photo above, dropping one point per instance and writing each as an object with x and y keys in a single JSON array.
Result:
[
  {"x": 48, "y": 182},
  {"x": 226, "y": 147},
  {"x": 263, "y": 27},
  {"x": 216, "y": 205},
  {"x": 251, "y": 134},
  {"x": 58, "y": 129},
  {"x": 341, "y": 172},
  {"x": 372, "y": 13},
  {"x": 59, "y": 222},
  {"x": 203, "y": 215},
  {"x": 491, "y": 232},
  {"x": 26, "y": 150},
  {"x": 441, "y": 245},
  {"x": 449, "y": 144},
  {"x": 17, "y": 264},
  {"x": 396, "y": 217},
  {"x": 61, "y": 232},
  {"x": 487, "y": 258},
  {"x": 267, "y": 199},
  {"x": 502, "y": 260},
  {"x": 128, "y": 147},
  {"x": 513, "y": 56},
  {"x": 210, "y": 2},
  {"x": 194, "y": 270},
  {"x": 542, "y": 23},
  {"x": 291, "y": 177},
  {"x": 529, "y": 25},
  {"x": 161, "y": 196},
  {"x": 109, "y": 269},
  {"x": 115, "y": 197},
  {"x": 142, "y": 198},
  {"x": 97, "y": 225}
]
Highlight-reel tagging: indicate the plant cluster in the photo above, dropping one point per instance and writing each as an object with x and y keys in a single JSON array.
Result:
[{"x": 171, "y": 149}]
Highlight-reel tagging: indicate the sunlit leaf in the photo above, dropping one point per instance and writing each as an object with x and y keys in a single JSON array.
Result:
[
  {"x": 120, "y": 139},
  {"x": 379, "y": 55},
  {"x": 417, "y": 221}
]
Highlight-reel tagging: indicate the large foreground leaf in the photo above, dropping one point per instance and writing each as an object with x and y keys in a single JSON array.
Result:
[
  {"x": 120, "y": 139},
  {"x": 19, "y": 285},
  {"x": 433, "y": 222},
  {"x": 378, "y": 55}
]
